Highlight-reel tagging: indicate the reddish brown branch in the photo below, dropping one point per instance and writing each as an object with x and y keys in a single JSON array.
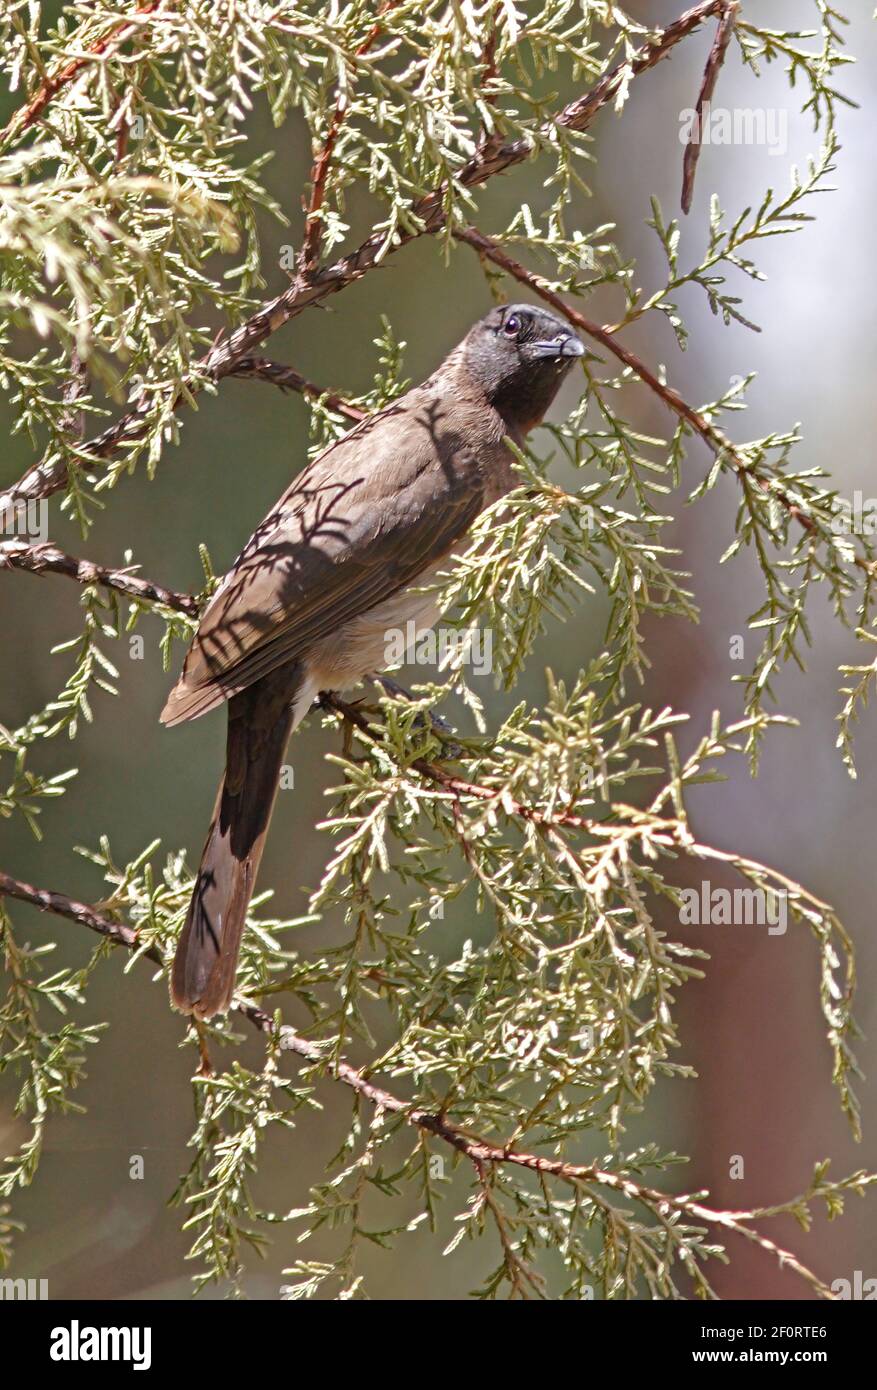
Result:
[
  {"x": 602, "y": 334},
  {"x": 278, "y": 374},
  {"x": 48, "y": 476},
  {"x": 500, "y": 797},
  {"x": 64, "y": 75},
  {"x": 455, "y": 785},
  {"x": 711, "y": 72},
  {"x": 74, "y": 911},
  {"x": 489, "y": 66},
  {"x": 717, "y": 441},
  {"x": 309, "y": 255},
  {"x": 478, "y": 1151},
  {"x": 45, "y": 558}
]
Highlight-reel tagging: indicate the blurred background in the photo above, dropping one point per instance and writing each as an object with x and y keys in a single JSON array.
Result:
[{"x": 752, "y": 1028}]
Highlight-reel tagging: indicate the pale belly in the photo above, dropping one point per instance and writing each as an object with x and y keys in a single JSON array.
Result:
[{"x": 361, "y": 645}]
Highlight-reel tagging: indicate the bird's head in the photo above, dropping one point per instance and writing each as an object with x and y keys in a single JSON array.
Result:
[{"x": 518, "y": 355}]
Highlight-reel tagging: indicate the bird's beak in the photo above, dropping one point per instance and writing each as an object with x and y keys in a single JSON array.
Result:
[{"x": 564, "y": 345}]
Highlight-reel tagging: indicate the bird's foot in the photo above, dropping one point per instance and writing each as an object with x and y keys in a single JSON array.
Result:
[
  {"x": 439, "y": 726},
  {"x": 351, "y": 716}
]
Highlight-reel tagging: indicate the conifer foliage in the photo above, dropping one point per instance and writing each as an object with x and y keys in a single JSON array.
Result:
[{"x": 490, "y": 1085}]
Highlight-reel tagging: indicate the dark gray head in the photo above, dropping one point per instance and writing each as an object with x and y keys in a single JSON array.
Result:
[{"x": 519, "y": 354}]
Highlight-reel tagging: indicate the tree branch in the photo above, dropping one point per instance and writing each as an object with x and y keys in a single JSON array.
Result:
[
  {"x": 711, "y": 72},
  {"x": 428, "y": 213},
  {"x": 457, "y": 786},
  {"x": 721, "y": 446},
  {"x": 479, "y": 1151},
  {"x": 74, "y": 911},
  {"x": 56, "y": 81},
  {"x": 287, "y": 378},
  {"x": 308, "y": 257},
  {"x": 667, "y": 832},
  {"x": 47, "y": 558}
]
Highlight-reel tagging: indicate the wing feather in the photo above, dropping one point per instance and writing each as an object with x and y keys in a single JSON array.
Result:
[{"x": 362, "y": 523}]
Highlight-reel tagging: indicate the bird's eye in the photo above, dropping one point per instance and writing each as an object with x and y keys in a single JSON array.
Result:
[{"x": 512, "y": 325}]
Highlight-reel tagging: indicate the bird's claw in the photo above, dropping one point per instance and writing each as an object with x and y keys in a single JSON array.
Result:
[{"x": 436, "y": 722}]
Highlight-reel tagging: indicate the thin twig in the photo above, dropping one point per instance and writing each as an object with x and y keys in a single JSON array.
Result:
[
  {"x": 308, "y": 257},
  {"x": 711, "y": 72},
  {"x": 56, "y": 81},
  {"x": 45, "y": 558},
  {"x": 479, "y": 1151},
  {"x": 74, "y": 911},
  {"x": 667, "y": 832},
  {"x": 428, "y": 214},
  {"x": 721, "y": 446},
  {"x": 76, "y": 387},
  {"x": 458, "y": 786},
  {"x": 279, "y": 374},
  {"x": 489, "y": 72}
]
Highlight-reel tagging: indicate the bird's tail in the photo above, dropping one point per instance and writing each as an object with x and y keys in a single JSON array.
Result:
[{"x": 260, "y": 720}]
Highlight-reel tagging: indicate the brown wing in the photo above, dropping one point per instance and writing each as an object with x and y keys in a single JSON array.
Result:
[{"x": 361, "y": 523}]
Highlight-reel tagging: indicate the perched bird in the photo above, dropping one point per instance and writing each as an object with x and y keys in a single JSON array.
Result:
[{"x": 307, "y": 606}]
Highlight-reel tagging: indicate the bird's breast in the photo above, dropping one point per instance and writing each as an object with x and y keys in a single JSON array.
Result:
[{"x": 372, "y": 641}]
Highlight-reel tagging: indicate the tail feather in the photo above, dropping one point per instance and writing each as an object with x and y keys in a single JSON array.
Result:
[{"x": 259, "y": 724}]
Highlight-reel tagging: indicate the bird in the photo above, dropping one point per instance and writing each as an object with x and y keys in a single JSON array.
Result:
[{"x": 336, "y": 566}]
